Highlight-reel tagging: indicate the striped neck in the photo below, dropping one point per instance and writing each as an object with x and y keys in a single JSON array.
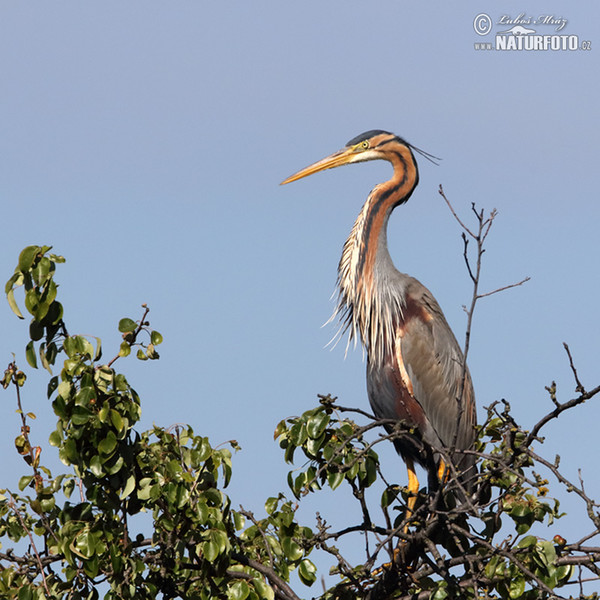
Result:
[{"x": 367, "y": 307}]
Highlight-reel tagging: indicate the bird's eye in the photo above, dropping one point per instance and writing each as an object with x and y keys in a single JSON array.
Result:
[{"x": 365, "y": 144}]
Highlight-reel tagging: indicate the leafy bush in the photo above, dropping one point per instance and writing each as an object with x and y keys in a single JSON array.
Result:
[{"x": 77, "y": 530}]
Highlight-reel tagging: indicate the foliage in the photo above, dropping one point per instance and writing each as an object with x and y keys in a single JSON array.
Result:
[{"x": 80, "y": 536}]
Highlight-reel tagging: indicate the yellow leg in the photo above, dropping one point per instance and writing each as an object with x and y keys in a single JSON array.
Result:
[
  {"x": 443, "y": 472},
  {"x": 413, "y": 489}
]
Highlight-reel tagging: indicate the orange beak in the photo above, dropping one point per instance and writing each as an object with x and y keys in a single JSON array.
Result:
[{"x": 337, "y": 159}]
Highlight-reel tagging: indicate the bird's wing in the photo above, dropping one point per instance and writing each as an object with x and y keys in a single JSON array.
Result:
[{"x": 433, "y": 361}]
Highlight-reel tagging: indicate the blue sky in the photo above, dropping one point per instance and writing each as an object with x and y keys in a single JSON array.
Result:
[{"x": 146, "y": 141}]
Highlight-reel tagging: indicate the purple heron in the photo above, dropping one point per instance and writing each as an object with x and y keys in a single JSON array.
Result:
[{"x": 416, "y": 371}]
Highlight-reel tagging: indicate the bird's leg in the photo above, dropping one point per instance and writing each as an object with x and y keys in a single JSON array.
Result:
[
  {"x": 443, "y": 472},
  {"x": 413, "y": 490}
]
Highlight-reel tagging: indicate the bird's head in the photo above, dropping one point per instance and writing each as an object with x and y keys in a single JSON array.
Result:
[{"x": 371, "y": 145}]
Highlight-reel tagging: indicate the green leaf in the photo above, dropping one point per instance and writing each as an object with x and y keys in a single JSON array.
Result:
[
  {"x": 371, "y": 472},
  {"x": 117, "y": 420},
  {"x": 238, "y": 590},
  {"x": 85, "y": 544},
  {"x": 129, "y": 487},
  {"x": 27, "y": 257},
  {"x": 52, "y": 385},
  {"x": 298, "y": 433},
  {"x": 264, "y": 590},
  {"x": 271, "y": 505},
  {"x": 334, "y": 480},
  {"x": 546, "y": 552},
  {"x": 47, "y": 503},
  {"x": 43, "y": 270},
  {"x": 68, "y": 453},
  {"x": 307, "y": 572},
  {"x": 81, "y": 415},
  {"x": 30, "y": 355},
  {"x": 528, "y": 540},
  {"x": 96, "y": 466},
  {"x": 46, "y": 355},
  {"x": 239, "y": 521},
  {"x": 115, "y": 465},
  {"x": 36, "y": 331},
  {"x": 20, "y": 378},
  {"x": 144, "y": 489},
  {"x": 70, "y": 346},
  {"x": 91, "y": 567},
  {"x": 210, "y": 550},
  {"x": 15, "y": 281},
  {"x": 389, "y": 495},
  {"x": 291, "y": 549},
  {"x": 55, "y": 439},
  {"x": 25, "y": 481},
  {"x": 55, "y": 313},
  {"x": 98, "y": 353},
  {"x": 84, "y": 396},
  {"x": 25, "y": 593},
  {"x": 87, "y": 349},
  {"x": 57, "y": 258},
  {"x": 64, "y": 389},
  {"x": 441, "y": 592},
  {"x": 108, "y": 444},
  {"x": 516, "y": 587},
  {"x": 68, "y": 487},
  {"x": 520, "y": 510},
  {"x": 32, "y": 301},
  {"x": 564, "y": 572},
  {"x": 126, "y": 325},
  {"x": 490, "y": 568},
  {"x": 316, "y": 424},
  {"x": 10, "y": 296}
]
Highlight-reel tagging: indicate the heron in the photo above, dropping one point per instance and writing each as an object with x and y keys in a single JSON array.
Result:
[{"x": 416, "y": 371}]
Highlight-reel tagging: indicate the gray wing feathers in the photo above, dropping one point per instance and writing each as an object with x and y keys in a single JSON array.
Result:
[{"x": 434, "y": 363}]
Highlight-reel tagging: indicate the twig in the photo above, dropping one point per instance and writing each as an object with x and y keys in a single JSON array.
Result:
[
  {"x": 33, "y": 459},
  {"x": 506, "y": 554},
  {"x": 282, "y": 591},
  {"x": 503, "y": 288},
  {"x": 251, "y": 516},
  {"x": 560, "y": 408},
  {"x": 12, "y": 504},
  {"x": 484, "y": 225},
  {"x": 141, "y": 325},
  {"x": 443, "y": 195},
  {"x": 579, "y": 387}
]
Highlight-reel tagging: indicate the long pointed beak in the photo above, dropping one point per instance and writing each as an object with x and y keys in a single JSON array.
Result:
[{"x": 337, "y": 159}]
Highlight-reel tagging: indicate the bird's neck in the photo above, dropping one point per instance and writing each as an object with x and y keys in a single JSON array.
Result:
[{"x": 368, "y": 305}]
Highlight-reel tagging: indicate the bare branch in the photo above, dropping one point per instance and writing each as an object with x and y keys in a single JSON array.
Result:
[
  {"x": 282, "y": 590},
  {"x": 503, "y": 288},
  {"x": 579, "y": 386},
  {"x": 443, "y": 195},
  {"x": 251, "y": 516},
  {"x": 13, "y": 505},
  {"x": 560, "y": 408}
]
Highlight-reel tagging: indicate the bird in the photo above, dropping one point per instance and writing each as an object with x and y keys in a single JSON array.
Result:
[{"x": 416, "y": 371}]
